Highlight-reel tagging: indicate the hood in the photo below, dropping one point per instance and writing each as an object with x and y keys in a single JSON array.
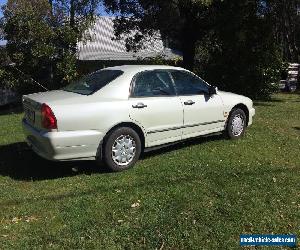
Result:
[
  {"x": 229, "y": 94},
  {"x": 231, "y": 98}
]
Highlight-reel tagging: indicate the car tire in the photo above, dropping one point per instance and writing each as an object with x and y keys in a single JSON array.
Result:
[
  {"x": 292, "y": 88},
  {"x": 236, "y": 124},
  {"x": 121, "y": 149}
]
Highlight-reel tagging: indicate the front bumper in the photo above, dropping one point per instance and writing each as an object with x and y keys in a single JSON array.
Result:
[{"x": 61, "y": 146}]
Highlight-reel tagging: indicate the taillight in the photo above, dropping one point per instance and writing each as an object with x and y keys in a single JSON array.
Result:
[{"x": 48, "y": 117}]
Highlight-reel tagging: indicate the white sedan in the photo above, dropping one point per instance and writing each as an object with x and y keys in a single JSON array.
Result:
[{"x": 114, "y": 114}]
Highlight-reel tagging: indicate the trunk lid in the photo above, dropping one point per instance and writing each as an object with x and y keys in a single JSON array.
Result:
[{"x": 32, "y": 104}]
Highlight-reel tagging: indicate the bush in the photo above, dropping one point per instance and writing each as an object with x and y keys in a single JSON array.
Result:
[{"x": 240, "y": 53}]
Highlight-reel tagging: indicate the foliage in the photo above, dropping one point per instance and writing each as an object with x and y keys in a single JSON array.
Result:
[
  {"x": 230, "y": 43},
  {"x": 160, "y": 60},
  {"x": 7, "y": 79},
  {"x": 67, "y": 67},
  {"x": 141, "y": 19},
  {"x": 42, "y": 35},
  {"x": 285, "y": 16},
  {"x": 241, "y": 54}
]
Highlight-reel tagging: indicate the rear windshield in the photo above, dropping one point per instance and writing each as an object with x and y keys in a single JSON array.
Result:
[{"x": 92, "y": 83}]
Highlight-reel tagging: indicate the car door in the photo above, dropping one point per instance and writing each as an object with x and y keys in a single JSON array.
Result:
[
  {"x": 202, "y": 113},
  {"x": 155, "y": 106}
]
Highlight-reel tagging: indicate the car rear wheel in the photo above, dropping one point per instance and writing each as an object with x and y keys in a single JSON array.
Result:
[
  {"x": 292, "y": 88},
  {"x": 236, "y": 125},
  {"x": 122, "y": 149}
]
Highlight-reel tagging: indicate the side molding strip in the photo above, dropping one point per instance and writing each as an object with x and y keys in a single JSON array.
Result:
[{"x": 186, "y": 126}]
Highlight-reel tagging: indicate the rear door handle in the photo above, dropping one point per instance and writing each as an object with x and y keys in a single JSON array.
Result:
[
  {"x": 140, "y": 105},
  {"x": 190, "y": 102}
]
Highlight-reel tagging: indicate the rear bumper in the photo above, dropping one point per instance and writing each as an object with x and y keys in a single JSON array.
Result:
[
  {"x": 62, "y": 146},
  {"x": 251, "y": 114}
]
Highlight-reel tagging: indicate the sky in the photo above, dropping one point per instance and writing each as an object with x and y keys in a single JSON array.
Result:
[{"x": 1, "y": 3}]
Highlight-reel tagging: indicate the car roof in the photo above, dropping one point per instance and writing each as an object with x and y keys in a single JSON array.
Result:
[{"x": 132, "y": 69}]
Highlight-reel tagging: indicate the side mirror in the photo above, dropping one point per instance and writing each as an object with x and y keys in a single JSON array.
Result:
[{"x": 212, "y": 90}]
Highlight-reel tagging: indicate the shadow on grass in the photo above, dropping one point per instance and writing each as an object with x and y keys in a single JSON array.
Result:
[
  {"x": 11, "y": 109},
  {"x": 296, "y": 128},
  {"x": 275, "y": 100},
  {"x": 19, "y": 162},
  {"x": 267, "y": 103},
  {"x": 263, "y": 104},
  {"x": 183, "y": 144}
]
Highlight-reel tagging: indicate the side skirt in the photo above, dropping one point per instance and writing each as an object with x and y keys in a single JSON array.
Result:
[{"x": 150, "y": 149}]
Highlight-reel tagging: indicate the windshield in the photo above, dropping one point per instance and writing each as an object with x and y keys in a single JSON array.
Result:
[{"x": 90, "y": 84}]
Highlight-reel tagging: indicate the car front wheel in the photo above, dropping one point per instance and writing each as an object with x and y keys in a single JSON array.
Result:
[
  {"x": 236, "y": 125},
  {"x": 122, "y": 149}
]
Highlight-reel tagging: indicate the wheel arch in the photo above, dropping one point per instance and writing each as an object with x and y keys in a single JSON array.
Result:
[
  {"x": 244, "y": 108},
  {"x": 131, "y": 125}
]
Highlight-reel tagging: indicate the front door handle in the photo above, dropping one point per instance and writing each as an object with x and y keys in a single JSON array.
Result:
[
  {"x": 190, "y": 102},
  {"x": 140, "y": 105}
]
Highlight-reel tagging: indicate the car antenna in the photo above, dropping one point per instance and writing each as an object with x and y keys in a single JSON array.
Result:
[{"x": 13, "y": 66}]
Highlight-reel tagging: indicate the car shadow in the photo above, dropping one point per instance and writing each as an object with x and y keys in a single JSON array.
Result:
[
  {"x": 263, "y": 104},
  {"x": 19, "y": 162},
  {"x": 267, "y": 103},
  {"x": 11, "y": 109},
  {"x": 182, "y": 144},
  {"x": 275, "y": 100}
]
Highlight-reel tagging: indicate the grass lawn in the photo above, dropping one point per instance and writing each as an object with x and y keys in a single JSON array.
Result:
[{"x": 198, "y": 194}]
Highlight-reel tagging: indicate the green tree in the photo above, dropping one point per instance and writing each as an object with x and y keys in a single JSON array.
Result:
[
  {"x": 182, "y": 22},
  {"x": 42, "y": 35},
  {"x": 7, "y": 79},
  {"x": 285, "y": 15},
  {"x": 241, "y": 53},
  {"x": 231, "y": 41}
]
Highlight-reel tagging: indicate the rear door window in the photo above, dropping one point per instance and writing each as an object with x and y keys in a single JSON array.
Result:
[
  {"x": 153, "y": 83},
  {"x": 92, "y": 83}
]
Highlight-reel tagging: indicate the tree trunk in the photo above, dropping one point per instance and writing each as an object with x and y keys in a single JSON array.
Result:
[
  {"x": 72, "y": 14},
  {"x": 72, "y": 23},
  {"x": 189, "y": 51},
  {"x": 285, "y": 16},
  {"x": 188, "y": 41}
]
